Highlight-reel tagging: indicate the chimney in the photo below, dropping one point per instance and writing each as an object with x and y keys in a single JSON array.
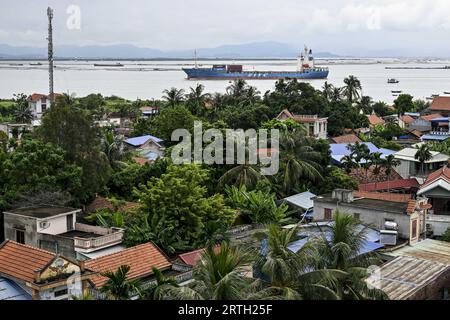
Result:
[{"x": 343, "y": 195}]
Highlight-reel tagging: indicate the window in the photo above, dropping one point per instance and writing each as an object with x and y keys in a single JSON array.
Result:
[
  {"x": 20, "y": 236},
  {"x": 61, "y": 293},
  {"x": 69, "y": 220},
  {"x": 44, "y": 107},
  {"x": 328, "y": 214},
  {"x": 414, "y": 229}
]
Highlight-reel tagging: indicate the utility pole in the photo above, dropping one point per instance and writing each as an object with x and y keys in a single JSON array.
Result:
[{"x": 50, "y": 52}]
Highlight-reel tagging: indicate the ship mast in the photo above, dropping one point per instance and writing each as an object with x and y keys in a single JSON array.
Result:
[
  {"x": 195, "y": 58},
  {"x": 50, "y": 52}
]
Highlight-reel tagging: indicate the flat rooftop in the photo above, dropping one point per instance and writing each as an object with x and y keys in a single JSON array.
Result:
[
  {"x": 79, "y": 234},
  {"x": 374, "y": 204},
  {"x": 41, "y": 212}
]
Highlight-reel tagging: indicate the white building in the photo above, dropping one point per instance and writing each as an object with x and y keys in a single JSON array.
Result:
[
  {"x": 316, "y": 127},
  {"x": 39, "y": 103},
  {"x": 411, "y": 167}
]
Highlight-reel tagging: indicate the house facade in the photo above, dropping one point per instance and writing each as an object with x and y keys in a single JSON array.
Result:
[
  {"x": 42, "y": 274},
  {"x": 437, "y": 189},
  {"x": 148, "y": 146},
  {"x": 375, "y": 210},
  {"x": 39, "y": 103},
  {"x": 56, "y": 229},
  {"x": 316, "y": 127},
  {"x": 411, "y": 167}
]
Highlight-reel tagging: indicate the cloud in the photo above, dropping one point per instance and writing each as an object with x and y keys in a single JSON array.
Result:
[{"x": 332, "y": 25}]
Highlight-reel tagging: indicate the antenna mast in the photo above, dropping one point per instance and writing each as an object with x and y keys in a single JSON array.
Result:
[
  {"x": 50, "y": 52},
  {"x": 195, "y": 57}
]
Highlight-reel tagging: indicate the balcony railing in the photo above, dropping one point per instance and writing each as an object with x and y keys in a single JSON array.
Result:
[{"x": 107, "y": 237}]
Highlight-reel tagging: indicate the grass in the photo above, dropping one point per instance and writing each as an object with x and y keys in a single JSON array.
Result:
[{"x": 6, "y": 103}]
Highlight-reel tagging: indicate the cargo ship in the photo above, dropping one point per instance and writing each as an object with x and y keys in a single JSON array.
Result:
[{"x": 305, "y": 70}]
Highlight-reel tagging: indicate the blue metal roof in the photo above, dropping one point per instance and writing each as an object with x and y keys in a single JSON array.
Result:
[
  {"x": 444, "y": 119},
  {"x": 435, "y": 137},
  {"x": 11, "y": 291},
  {"x": 302, "y": 200},
  {"x": 340, "y": 150},
  {"x": 139, "y": 141},
  {"x": 370, "y": 243}
]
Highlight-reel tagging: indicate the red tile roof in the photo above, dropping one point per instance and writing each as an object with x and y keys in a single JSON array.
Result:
[
  {"x": 432, "y": 116},
  {"x": 141, "y": 161},
  {"x": 440, "y": 103},
  {"x": 442, "y": 173},
  {"x": 407, "y": 119},
  {"x": 393, "y": 197},
  {"x": 374, "y": 120},
  {"x": 148, "y": 108},
  {"x": 36, "y": 97},
  {"x": 191, "y": 258},
  {"x": 299, "y": 117},
  {"x": 20, "y": 261},
  {"x": 39, "y": 96},
  {"x": 385, "y": 185},
  {"x": 141, "y": 259},
  {"x": 348, "y": 138}
]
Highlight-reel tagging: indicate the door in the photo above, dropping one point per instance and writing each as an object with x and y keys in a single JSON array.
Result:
[{"x": 69, "y": 222}]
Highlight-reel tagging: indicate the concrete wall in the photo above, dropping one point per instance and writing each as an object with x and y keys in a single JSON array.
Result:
[
  {"x": 375, "y": 219},
  {"x": 57, "y": 225},
  {"x": 13, "y": 222},
  {"x": 63, "y": 246},
  {"x": 434, "y": 289}
]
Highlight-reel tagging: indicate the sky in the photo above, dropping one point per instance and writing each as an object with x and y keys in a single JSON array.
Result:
[{"x": 417, "y": 27}]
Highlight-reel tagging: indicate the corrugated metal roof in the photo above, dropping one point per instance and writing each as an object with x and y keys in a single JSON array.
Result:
[
  {"x": 429, "y": 249},
  {"x": 139, "y": 141},
  {"x": 435, "y": 137},
  {"x": 11, "y": 291},
  {"x": 339, "y": 150},
  {"x": 402, "y": 277},
  {"x": 409, "y": 153},
  {"x": 302, "y": 200}
]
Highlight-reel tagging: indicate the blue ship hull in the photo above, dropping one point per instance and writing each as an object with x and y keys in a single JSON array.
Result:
[{"x": 210, "y": 74}]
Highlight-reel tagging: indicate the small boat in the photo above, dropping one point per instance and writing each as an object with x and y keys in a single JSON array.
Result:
[
  {"x": 393, "y": 81},
  {"x": 446, "y": 92},
  {"x": 108, "y": 65},
  {"x": 36, "y": 64},
  {"x": 396, "y": 91},
  {"x": 435, "y": 95},
  {"x": 430, "y": 98}
]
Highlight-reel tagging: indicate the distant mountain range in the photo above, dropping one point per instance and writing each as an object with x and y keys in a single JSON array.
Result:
[{"x": 269, "y": 49}]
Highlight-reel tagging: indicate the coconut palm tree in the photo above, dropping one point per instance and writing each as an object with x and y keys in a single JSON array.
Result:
[
  {"x": 327, "y": 90},
  {"x": 118, "y": 286},
  {"x": 22, "y": 113},
  {"x": 112, "y": 148},
  {"x": 298, "y": 161},
  {"x": 237, "y": 89},
  {"x": 348, "y": 163},
  {"x": 173, "y": 96},
  {"x": 156, "y": 290},
  {"x": 241, "y": 175},
  {"x": 352, "y": 88},
  {"x": 389, "y": 164},
  {"x": 196, "y": 99},
  {"x": 341, "y": 250},
  {"x": 423, "y": 154},
  {"x": 218, "y": 275},
  {"x": 291, "y": 275},
  {"x": 336, "y": 95}
]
